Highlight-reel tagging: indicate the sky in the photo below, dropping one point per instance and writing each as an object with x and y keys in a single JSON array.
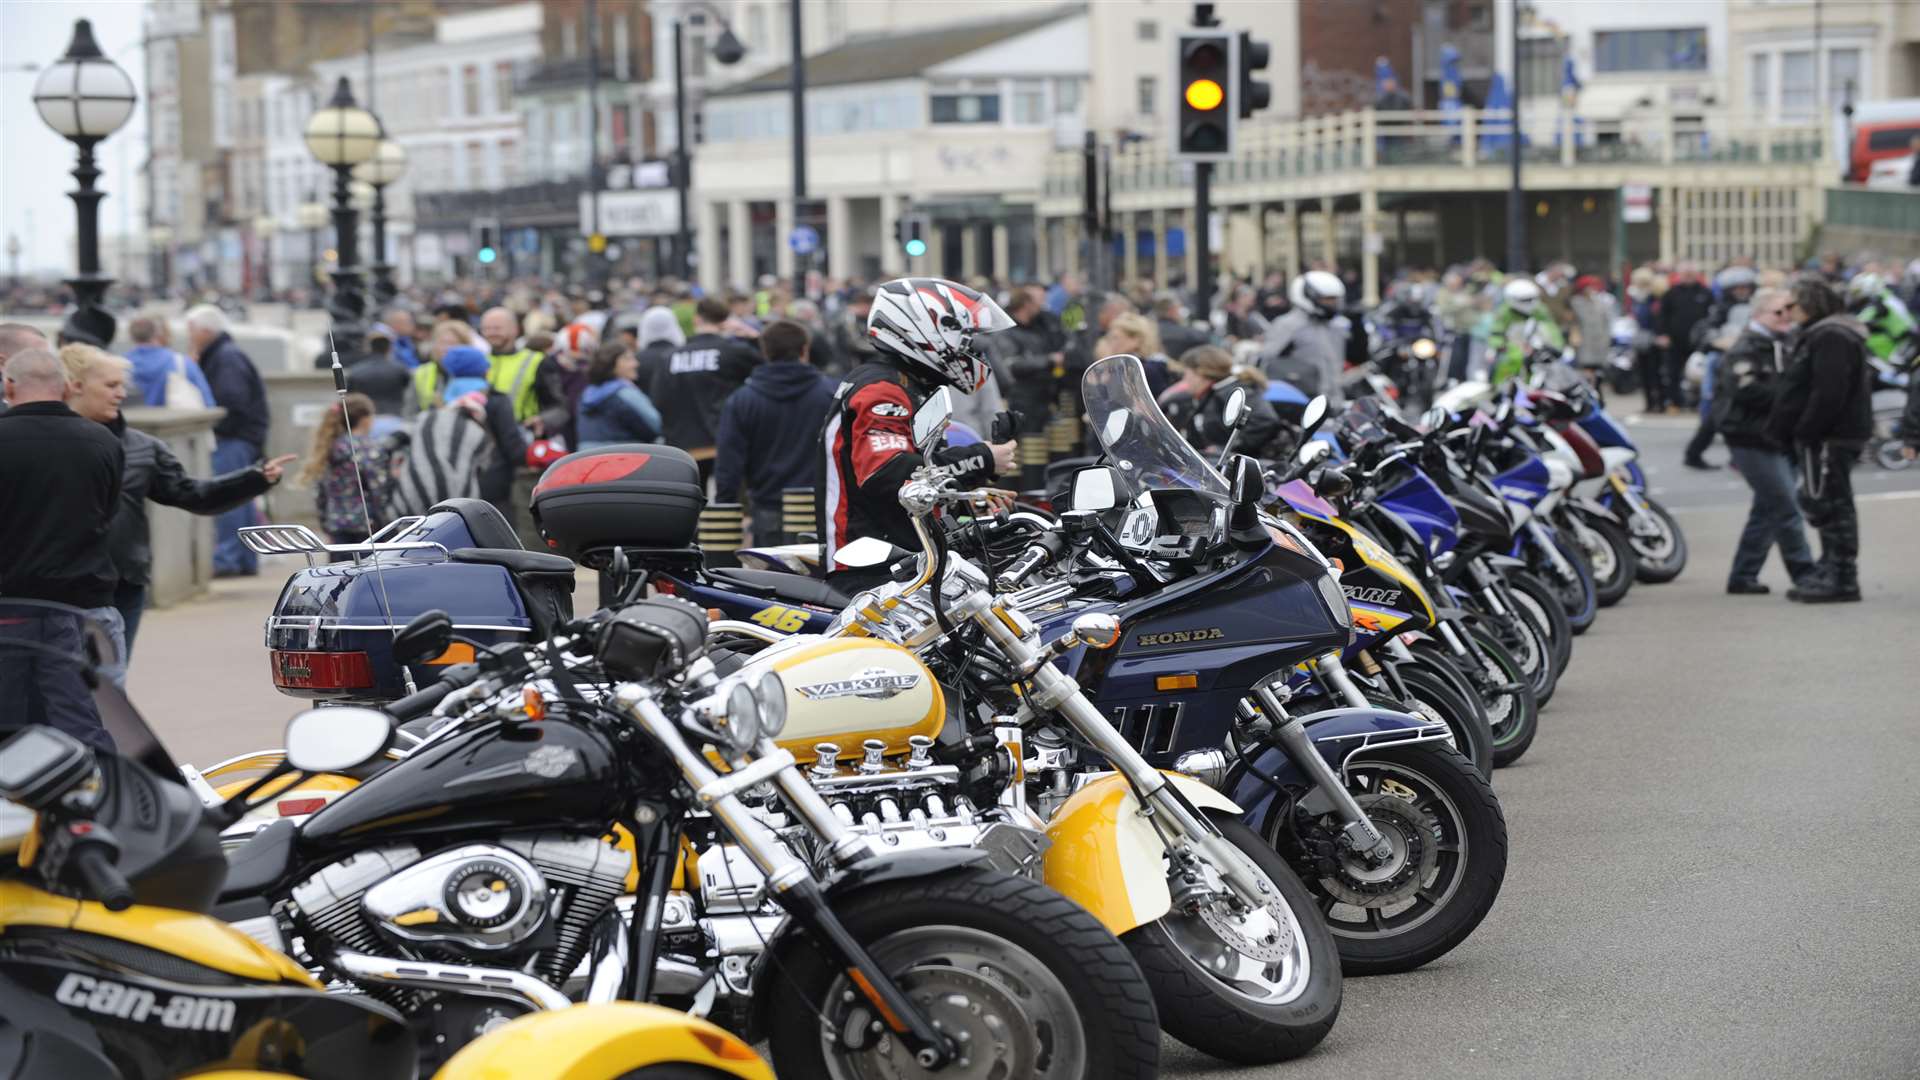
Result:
[{"x": 35, "y": 174}]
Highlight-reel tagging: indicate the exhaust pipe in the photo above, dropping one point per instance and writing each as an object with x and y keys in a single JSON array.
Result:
[{"x": 424, "y": 975}]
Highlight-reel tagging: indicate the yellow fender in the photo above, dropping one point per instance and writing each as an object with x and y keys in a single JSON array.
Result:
[
  {"x": 602, "y": 1042},
  {"x": 1106, "y": 857}
]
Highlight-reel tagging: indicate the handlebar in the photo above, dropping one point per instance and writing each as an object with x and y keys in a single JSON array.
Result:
[
  {"x": 421, "y": 702},
  {"x": 101, "y": 878},
  {"x": 1042, "y": 551}
]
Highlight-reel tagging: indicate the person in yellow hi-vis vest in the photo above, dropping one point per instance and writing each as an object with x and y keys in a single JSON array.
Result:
[{"x": 529, "y": 378}]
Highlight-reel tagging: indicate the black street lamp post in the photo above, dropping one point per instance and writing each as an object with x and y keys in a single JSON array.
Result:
[
  {"x": 387, "y": 165},
  {"x": 341, "y": 135},
  {"x": 728, "y": 50},
  {"x": 86, "y": 97}
]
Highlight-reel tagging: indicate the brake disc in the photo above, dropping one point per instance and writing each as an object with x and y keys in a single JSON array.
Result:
[{"x": 1410, "y": 833}]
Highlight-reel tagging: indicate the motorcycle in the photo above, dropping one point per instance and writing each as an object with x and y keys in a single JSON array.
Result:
[
  {"x": 472, "y": 880},
  {"x": 111, "y": 966}
]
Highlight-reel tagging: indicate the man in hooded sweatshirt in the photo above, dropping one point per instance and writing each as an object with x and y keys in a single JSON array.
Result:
[
  {"x": 696, "y": 380},
  {"x": 769, "y": 428}
]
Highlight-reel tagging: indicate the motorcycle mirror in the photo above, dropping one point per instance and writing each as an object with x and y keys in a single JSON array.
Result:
[
  {"x": 1094, "y": 489},
  {"x": 932, "y": 418},
  {"x": 1330, "y": 482},
  {"x": 1313, "y": 415},
  {"x": 336, "y": 739},
  {"x": 866, "y": 551},
  {"x": 426, "y": 636},
  {"x": 1235, "y": 413},
  {"x": 1114, "y": 427},
  {"x": 1435, "y": 419},
  {"x": 1247, "y": 480},
  {"x": 1097, "y": 630},
  {"x": 1313, "y": 450}
]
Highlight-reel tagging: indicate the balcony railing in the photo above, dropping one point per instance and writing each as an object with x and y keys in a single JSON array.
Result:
[{"x": 1369, "y": 139}]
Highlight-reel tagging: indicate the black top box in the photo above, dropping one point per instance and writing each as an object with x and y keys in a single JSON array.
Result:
[{"x": 643, "y": 495}]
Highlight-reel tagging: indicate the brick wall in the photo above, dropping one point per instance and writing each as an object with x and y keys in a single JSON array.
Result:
[{"x": 1339, "y": 41}]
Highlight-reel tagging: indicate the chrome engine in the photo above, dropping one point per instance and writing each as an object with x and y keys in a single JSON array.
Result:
[{"x": 525, "y": 907}]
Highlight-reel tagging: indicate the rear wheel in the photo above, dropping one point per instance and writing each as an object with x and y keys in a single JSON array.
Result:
[
  {"x": 1247, "y": 986},
  {"x": 1025, "y": 979}
]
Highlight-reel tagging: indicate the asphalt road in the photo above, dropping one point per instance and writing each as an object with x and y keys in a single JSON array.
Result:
[{"x": 1710, "y": 876}]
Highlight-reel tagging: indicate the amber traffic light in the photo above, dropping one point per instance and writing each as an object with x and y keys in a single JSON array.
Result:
[{"x": 1205, "y": 113}]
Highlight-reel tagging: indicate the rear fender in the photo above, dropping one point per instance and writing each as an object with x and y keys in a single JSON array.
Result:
[
  {"x": 1105, "y": 855},
  {"x": 594, "y": 1042},
  {"x": 1338, "y": 734}
]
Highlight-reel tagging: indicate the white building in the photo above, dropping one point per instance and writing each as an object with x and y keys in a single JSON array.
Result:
[
  {"x": 1633, "y": 57},
  {"x": 950, "y": 126},
  {"x": 1797, "y": 60}
]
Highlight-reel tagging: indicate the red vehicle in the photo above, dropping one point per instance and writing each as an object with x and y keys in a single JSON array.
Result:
[{"x": 1880, "y": 130}]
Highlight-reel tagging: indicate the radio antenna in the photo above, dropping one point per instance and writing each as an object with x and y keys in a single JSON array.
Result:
[{"x": 366, "y": 512}]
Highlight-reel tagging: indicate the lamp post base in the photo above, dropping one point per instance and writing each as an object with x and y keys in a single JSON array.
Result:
[{"x": 89, "y": 322}]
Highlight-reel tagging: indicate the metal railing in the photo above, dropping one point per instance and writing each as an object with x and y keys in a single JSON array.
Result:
[
  {"x": 1885, "y": 209},
  {"x": 1368, "y": 139}
]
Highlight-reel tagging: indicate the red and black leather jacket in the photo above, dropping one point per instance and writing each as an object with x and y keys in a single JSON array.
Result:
[{"x": 868, "y": 442}]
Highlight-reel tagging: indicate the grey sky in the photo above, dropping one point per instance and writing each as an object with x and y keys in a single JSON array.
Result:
[{"x": 35, "y": 176}]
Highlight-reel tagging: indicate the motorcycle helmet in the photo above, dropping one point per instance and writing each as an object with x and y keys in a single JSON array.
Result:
[
  {"x": 1319, "y": 293},
  {"x": 1521, "y": 295},
  {"x": 1736, "y": 277},
  {"x": 927, "y": 325},
  {"x": 1863, "y": 289}
]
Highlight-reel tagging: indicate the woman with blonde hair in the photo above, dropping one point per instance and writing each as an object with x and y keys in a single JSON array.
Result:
[
  {"x": 1132, "y": 332},
  {"x": 98, "y": 381}
]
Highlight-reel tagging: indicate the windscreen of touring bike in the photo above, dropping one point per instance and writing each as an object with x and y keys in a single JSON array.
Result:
[{"x": 1140, "y": 444}]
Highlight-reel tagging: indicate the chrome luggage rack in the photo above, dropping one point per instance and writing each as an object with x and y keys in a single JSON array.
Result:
[{"x": 300, "y": 540}]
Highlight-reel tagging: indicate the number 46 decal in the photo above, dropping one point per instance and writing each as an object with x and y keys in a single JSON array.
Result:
[{"x": 784, "y": 619}]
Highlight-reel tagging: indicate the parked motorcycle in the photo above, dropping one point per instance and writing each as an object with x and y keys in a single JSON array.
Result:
[{"x": 110, "y": 965}]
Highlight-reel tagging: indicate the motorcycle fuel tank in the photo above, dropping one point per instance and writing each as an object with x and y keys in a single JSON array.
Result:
[
  {"x": 845, "y": 691},
  {"x": 497, "y": 777}
]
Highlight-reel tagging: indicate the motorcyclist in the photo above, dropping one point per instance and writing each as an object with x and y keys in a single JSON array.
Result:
[
  {"x": 922, "y": 330},
  {"x": 1311, "y": 345},
  {"x": 1889, "y": 322},
  {"x": 1520, "y": 324},
  {"x": 1197, "y": 405}
]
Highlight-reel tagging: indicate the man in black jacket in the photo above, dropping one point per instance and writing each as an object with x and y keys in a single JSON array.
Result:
[
  {"x": 1742, "y": 399},
  {"x": 239, "y": 437},
  {"x": 1824, "y": 410},
  {"x": 770, "y": 426},
  {"x": 693, "y": 384},
  {"x": 1684, "y": 305},
  {"x": 1025, "y": 361},
  {"x": 59, "y": 487},
  {"x": 98, "y": 381}
]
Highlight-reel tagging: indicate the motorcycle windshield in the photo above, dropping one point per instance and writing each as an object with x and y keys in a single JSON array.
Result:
[{"x": 1142, "y": 446}]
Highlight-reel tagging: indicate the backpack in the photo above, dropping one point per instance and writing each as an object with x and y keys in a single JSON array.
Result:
[
  {"x": 180, "y": 391},
  {"x": 442, "y": 454}
]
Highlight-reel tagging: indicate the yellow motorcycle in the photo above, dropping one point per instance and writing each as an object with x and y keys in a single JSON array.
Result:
[{"x": 111, "y": 968}]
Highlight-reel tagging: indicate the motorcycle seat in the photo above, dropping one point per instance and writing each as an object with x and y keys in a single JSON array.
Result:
[
  {"x": 545, "y": 581},
  {"x": 789, "y": 587},
  {"x": 260, "y": 863},
  {"x": 485, "y": 523}
]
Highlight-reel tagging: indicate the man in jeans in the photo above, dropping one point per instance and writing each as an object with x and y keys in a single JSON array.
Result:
[
  {"x": 59, "y": 488},
  {"x": 1742, "y": 399},
  {"x": 1824, "y": 409},
  {"x": 239, "y": 437}
]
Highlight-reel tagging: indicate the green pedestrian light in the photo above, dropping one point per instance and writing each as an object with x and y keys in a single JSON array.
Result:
[{"x": 916, "y": 247}]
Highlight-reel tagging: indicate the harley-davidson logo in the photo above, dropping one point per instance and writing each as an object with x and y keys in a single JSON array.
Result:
[
  {"x": 292, "y": 670},
  {"x": 875, "y": 683},
  {"x": 551, "y": 762},
  {"x": 1182, "y": 637},
  {"x": 1383, "y": 597}
]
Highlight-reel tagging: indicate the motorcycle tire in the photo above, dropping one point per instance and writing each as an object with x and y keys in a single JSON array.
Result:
[
  {"x": 1575, "y": 596},
  {"x": 1200, "y": 1009},
  {"x": 1537, "y": 607},
  {"x": 1662, "y": 558},
  {"x": 1614, "y": 563},
  {"x": 1467, "y": 818},
  {"x": 977, "y": 946},
  {"x": 1514, "y": 726},
  {"x": 1442, "y": 692}
]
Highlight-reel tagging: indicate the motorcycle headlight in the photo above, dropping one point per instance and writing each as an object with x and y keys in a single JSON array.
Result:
[
  {"x": 1425, "y": 349},
  {"x": 773, "y": 704},
  {"x": 742, "y": 722}
]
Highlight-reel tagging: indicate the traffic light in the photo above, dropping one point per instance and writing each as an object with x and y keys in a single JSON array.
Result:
[
  {"x": 906, "y": 233},
  {"x": 485, "y": 251},
  {"x": 1254, "y": 55},
  {"x": 1204, "y": 77}
]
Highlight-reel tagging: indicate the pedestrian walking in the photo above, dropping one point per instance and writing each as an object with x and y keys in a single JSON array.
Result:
[
  {"x": 99, "y": 384},
  {"x": 381, "y": 375},
  {"x": 1684, "y": 305},
  {"x": 347, "y": 459},
  {"x": 1743, "y": 396},
  {"x": 1824, "y": 410},
  {"x": 162, "y": 377},
  {"x": 614, "y": 409},
  {"x": 60, "y": 477},
  {"x": 770, "y": 428},
  {"x": 239, "y": 437},
  {"x": 691, "y": 387}
]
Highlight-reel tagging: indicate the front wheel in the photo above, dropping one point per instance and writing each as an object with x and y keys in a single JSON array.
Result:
[
  {"x": 1610, "y": 552},
  {"x": 1438, "y": 690},
  {"x": 1572, "y": 585},
  {"x": 1515, "y": 720},
  {"x": 1449, "y": 842},
  {"x": 1250, "y": 986},
  {"x": 1025, "y": 980},
  {"x": 1534, "y": 602},
  {"x": 1659, "y": 543}
]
